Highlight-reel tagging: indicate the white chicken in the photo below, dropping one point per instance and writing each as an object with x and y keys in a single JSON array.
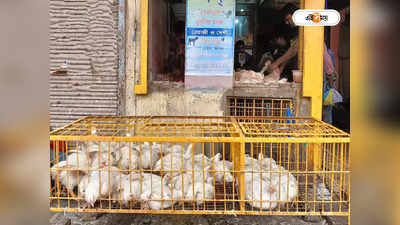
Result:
[
  {"x": 75, "y": 166},
  {"x": 95, "y": 146},
  {"x": 269, "y": 182},
  {"x": 105, "y": 158},
  {"x": 251, "y": 163},
  {"x": 149, "y": 155},
  {"x": 175, "y": 183},
  {"x": 128, "y": 190},
  {"x": 177, "y": 148},
  {"x": 285, "y": 185},
  {"x": 267, "y": 163},
  {"x": 196, "y": 162},
  {"x": 265, "y": 166},
  {"x": 182, "y": 185},
  {"x": 200, "y": 192},
  {"x": 222, "y": 169},
  {"x": 83, "y": 183},
  {"x": 129, "y": 158},
  {"x": 259, "y": 192},
  {"x": 102, "y": 183},
  {"x": 173, "y": 163},
  {"x": 156, "y": 194}
]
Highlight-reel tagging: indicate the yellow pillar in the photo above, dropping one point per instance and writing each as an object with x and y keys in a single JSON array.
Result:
[
  {"x": 141, "y": 87},
  {"x": 242, "y": 183},
  {"x": 313, "y": 61},
  {"x": 238, "y": 158},
  {"x": 313, "y": 74},
  {"x": 301, "y": 42}
]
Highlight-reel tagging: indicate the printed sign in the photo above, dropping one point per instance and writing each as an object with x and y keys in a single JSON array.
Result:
[{"x": 209, "y": 37}]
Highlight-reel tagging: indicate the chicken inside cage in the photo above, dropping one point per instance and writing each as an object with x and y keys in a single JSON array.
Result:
[
  {"x": 156, "y": 176},
  {"x": 143, "y": 175},
  {"x": 179, "y": 165}
]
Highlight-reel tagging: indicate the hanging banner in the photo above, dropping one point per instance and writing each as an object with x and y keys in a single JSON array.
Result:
[{"x": 209, "y": 39}]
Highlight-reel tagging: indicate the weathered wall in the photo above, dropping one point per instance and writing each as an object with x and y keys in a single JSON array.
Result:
[
  {"x": 83, "y": 32},
  {"x": 168, "y": 99},
  {"x": 173, "y": 100},
  {"x": 165, "y": 100}
]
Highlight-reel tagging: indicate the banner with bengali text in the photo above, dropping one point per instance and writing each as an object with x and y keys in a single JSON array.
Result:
[{"x": 210, "y": 37}]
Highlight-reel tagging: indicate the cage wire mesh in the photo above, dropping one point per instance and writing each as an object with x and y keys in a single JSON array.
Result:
[
  {"x": 200, "y": 165},
  {"x": 258, "y": 106}
]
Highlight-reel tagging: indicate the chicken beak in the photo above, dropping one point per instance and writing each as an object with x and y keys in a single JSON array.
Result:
[{"x": 271, "y": 189}]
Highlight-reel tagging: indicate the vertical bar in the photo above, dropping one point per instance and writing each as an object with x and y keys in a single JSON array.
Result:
[
  {"x": 213, "y": 174},
  {"x": 262, "y": 108},
  {"x": 236, "y": 106},
  {"x": 241, "y": 176},
  {"x": 349, "y": 186},
  {"x": 280, "y": 175},
  {"x": 301, "y": 41},
  {"x": 109, "y": 174},
  {"x": 234, "y": 156},
  {"x": 254, "y": 107},
  {"x": 298, "y": 170},
  {"x": 317, "y": 156},
  {"x": 203, "y": 176},
  {"x": 245, "y": 106},
  {"x": 68, "y": 172},
  {"x": 141, "y": 87},
  {"x": 308, "y": 153},
  {"x": 341, "y": 170},
  {"x": 313, "y": 61},
  {"x": 273, "y": 109},
  {"x": 333, "y": 174},
  {"x": 58, "y": 173},
  {"x": 223, "y": 158},
  {"x": 323, "y": 175},
  {"x": 288, "y": 171}
]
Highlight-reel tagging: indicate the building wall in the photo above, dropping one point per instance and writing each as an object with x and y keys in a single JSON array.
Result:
[
  {"x": 83, "y": 33},
  {"x": 169, "y": 99}
]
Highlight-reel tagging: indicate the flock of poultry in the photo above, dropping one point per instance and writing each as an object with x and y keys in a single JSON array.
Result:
[{"x": 102, "y": 170}]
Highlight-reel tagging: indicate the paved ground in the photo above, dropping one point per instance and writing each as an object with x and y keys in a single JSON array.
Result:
[{"x": 139, "y": 219}]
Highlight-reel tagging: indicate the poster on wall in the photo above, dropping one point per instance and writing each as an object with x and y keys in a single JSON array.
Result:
[{"x": 209, "y": 43}]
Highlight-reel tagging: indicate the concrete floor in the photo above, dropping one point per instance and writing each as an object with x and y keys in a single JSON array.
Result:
[{"x": 139, "y": 219}]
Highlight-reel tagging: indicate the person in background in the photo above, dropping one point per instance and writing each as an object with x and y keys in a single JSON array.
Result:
[
  {"x": 288, "y": 61},
  {"x": 243, "y": 60},
  {"x": 176, "y": 56},
  {"x": 276, "y": 48},
  {"x": 330, "y": 74}
]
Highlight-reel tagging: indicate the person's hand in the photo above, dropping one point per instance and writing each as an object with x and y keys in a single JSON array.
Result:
[{"x": 273, "y": 66}]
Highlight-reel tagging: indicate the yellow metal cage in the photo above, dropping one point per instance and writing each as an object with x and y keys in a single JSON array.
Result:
[
  {"x": 258, "y": 106},
  {"x": 200, "y": 165}
]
